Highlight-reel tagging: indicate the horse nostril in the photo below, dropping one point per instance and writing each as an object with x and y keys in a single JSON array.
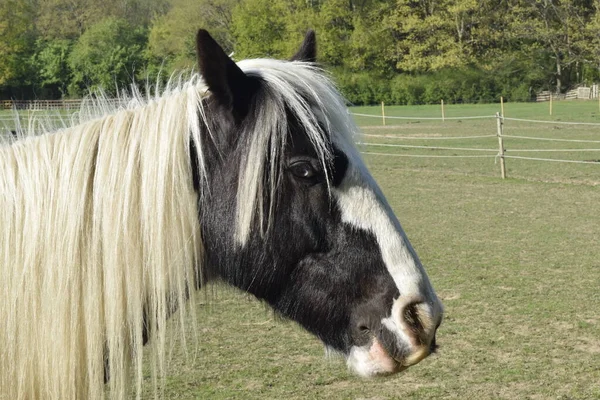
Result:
[
  {"x": 417, "y": 321},
  {"x": 364, "y": 329},
  {"x": 410, "y": 316}
]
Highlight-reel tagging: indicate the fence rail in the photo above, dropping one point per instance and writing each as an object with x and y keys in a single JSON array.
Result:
[
  {"x": 407, "y": 146},
  {"x": 40, "y": 104},
  {"x": 424, "y": 118},
  {"x": 49, "y": 105},
  {"x": 428, "y": 138}
]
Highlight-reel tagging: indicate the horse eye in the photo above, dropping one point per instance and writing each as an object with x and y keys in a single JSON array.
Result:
[{"x": 303, "y": 170}]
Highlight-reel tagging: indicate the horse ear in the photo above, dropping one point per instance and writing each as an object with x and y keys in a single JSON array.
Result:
[
  {"x": 229, "y": 85},
  {"x": 308, "y": 49}
]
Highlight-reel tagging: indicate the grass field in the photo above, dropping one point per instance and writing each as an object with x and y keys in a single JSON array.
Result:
[{"x": 515, "y": 263}]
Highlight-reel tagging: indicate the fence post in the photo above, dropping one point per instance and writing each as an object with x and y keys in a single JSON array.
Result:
[
  {"x": 499, "y": 121},
  {"x": 502, "y": 106},
  {"x": 383, "y": 112},
  {"x": 443, "y": 115},
  {"x": 550, "y": 102}
]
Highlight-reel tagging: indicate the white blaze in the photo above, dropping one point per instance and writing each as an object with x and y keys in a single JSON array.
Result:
[{"x": 363, "y": 205}]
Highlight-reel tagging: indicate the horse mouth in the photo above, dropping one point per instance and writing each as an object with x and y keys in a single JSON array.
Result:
[
  {"x": 381, "y": 358},
  {"x": 373, "y": 360}
]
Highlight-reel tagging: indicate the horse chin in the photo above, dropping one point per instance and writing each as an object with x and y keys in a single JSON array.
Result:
[{"x": 373, "y": 360}]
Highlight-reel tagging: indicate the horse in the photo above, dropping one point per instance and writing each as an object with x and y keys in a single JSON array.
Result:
[{"x": 245, "y": 173}]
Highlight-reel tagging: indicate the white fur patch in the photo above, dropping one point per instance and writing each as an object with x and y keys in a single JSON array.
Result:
[
  {"x": 363, "y": 205},
  {"x": 371, "y": 360}
]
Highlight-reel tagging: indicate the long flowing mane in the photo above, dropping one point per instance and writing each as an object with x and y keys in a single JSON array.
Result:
[{"x": 99, "y": 233}]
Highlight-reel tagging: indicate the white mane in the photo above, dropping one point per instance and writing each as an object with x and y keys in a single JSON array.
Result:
[{"x": 99, "y": 227}]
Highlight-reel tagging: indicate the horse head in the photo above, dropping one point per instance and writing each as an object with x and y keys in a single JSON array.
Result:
[{"x": 292, "y": 215}]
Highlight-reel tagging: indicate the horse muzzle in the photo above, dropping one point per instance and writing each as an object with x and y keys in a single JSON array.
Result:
[{"x": 403, "y": 339}]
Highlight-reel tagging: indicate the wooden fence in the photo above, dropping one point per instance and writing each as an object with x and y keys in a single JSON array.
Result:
[
  {"x": 40, "y": 104},
  {"x": 47, "y": 105},
  {"x": 581, "y": 92}
]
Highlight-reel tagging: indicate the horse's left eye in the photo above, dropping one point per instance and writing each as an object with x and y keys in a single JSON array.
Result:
[{"x": 303, "y": 170}]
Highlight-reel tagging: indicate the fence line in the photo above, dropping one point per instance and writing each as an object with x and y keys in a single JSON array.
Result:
[
  {"x": 38, "y": 105},
  {"x": 427, "y": 156},
  {"x": 551, "y": 139},
  {"x": 478, "y": 117},
  {"x": 551, "y": 122},
  {"x": 424, "y": 147},
  {"x": 553, "y": 160},
  {"x": 551, "y": 150},
  {"x": 34, "y": 112},
  {"x": 499, "y": 153},
  {"x": 424, "y": 118},
  {"x": 37, "y": 117},
  {"x": 428, "y": 138}
]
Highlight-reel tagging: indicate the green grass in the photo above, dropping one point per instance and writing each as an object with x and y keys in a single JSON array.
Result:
[
  {"x": 515, "y": 262},
  {"x": 516, "y": 266}
]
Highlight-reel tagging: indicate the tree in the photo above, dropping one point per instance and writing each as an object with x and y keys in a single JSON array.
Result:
[
  {"x": 372, "y": 43},
  {"x": 17, "y": 37},
  {"x": 434, "y": 34},
  {"x": 107, "y": 55},
  {"x": 589, "y": 46},
  {"x": 69, "y": 19},
  {"x": 50, "y": 63},
  {"x": 171, "y": 43},
  {"x": 259, "y": 28},
  {"x": 555, "y": 26},
  {"x": 335, "y": 24}
]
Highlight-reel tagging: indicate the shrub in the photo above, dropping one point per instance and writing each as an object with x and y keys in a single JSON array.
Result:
[
  {"x": 107, "y": 55},
  {"x": 467, "y": 85}
]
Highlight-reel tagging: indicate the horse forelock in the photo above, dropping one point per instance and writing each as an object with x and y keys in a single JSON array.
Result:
[{"x": 300, "y": 90}]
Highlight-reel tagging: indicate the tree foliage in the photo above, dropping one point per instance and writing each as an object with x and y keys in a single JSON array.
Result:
[
  {"x": 171, "y": 37},
  {"x": 400, "y": 50},
  {"x": 51, "y": 65},
  {"x": 17, "y": 38},
  {"x": 106, "y": 55},
  {"x": 259, "y": 28}
]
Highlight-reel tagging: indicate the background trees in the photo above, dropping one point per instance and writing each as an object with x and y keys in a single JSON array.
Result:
[
  {"x": 17, "y": 39},
  {"x": 106, "y": 55},
  {"x": 403, "y": 51}
]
